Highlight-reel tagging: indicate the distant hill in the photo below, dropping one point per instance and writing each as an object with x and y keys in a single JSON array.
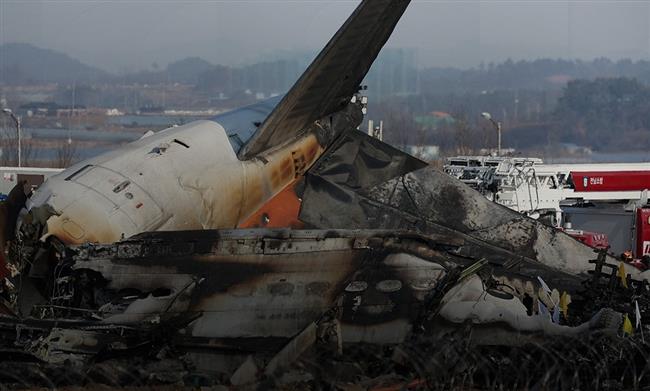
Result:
[
  {"x": 188, "y": 69},
  {"x": 185, "y": 71},
  {"x": 23, "y": 64},
  {"x": 540, "y": 74}
]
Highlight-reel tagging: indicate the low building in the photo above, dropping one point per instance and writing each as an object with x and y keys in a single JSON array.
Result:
[{"x": 10, "y": 176}]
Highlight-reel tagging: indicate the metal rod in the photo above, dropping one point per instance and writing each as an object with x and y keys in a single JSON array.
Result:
[{"x": 498, "y": 138}]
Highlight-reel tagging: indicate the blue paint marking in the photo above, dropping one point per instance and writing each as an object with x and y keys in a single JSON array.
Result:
[{"x": 241, "y": 124}]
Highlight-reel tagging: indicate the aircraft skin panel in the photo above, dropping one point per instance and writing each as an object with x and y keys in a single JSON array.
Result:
[{"x": 333, "y": 77}]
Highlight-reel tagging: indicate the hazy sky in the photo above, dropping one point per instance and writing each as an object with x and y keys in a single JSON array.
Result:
[{"x": 122, "y": 35}]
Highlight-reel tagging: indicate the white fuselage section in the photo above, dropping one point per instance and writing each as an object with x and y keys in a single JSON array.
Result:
[{"x": 181, "y": 178}]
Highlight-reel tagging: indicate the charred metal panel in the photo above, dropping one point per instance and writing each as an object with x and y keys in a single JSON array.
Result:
[
  {"x": 385, "y": 297},
  {"x": 244, "y": 283},
  {"x": 257, "y": 283},
  {"x": 428, "y": 201},
  {"x": 354, "y": 162},
  {"x": 272, "y": 283},
  {"x": 358, "y": 161},
  {"x": 446, "y": 201}
]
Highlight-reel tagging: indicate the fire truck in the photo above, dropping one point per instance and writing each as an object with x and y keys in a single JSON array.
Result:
[{"x": 599, "y": 204}]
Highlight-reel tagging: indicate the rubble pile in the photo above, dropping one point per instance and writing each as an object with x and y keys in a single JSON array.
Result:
[{"x": 610, "y": 354}]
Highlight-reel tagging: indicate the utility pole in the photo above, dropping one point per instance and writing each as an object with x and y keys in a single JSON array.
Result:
[
  {"x": 16, "y": 120},
  {"x": 497, "y": 127}
]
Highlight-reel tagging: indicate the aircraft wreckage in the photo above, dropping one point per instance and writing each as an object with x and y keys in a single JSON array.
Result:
[{"x": 278, "y": 246}]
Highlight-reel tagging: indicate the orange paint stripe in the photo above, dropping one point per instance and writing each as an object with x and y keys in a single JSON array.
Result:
[{"x": 282, "y": 211}]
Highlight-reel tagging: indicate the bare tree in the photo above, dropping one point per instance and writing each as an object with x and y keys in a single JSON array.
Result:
[
  {"x": 28, "y": 152},
  {"x": 464, "y": 137},
  {"x": 400, "y": 129},
  {"x": 9, "y": 145},
  {"x": 66, "y": 153},
  {"x": 9, "y": 148}
]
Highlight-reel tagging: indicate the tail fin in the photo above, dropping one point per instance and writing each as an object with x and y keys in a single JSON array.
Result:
[{"x": 330, "y": 81}]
